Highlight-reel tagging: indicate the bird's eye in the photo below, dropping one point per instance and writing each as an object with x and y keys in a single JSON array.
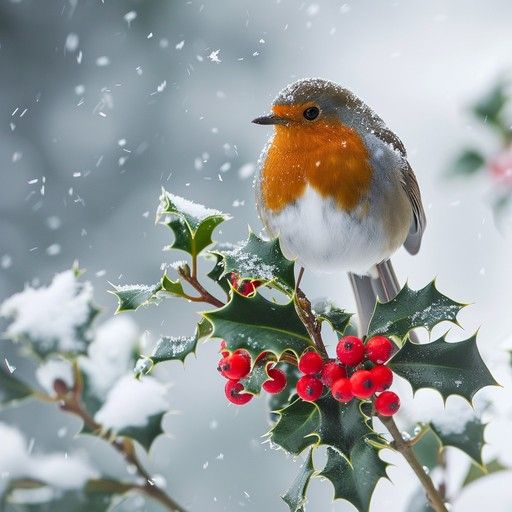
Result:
[{"x": 311, "y": 113}]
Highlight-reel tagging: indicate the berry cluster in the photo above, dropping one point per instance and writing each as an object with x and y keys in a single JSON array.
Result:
[
  {"x": 359, "y": 372},
  {"x": 237, "y": 365}
]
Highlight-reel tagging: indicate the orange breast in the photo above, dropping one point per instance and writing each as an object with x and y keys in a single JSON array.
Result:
[{"x": 329, "y": 156}]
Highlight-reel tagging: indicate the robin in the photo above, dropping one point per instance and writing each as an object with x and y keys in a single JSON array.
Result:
[{"x": 335, "y": 185}]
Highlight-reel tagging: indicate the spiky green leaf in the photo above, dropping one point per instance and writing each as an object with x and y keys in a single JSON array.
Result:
[
  {"x": 192, "y": 224},
  {"x": 336, "y": 317},
  {"x": 172, "y": 348},
  {"x": 12, "y": 390},
  {"x": 259, "y": 259},
  {"x": 295, "y": 497},
  {"x": 468, "y": 163},
  {"x": 450, "y": 368},
  {"x": 413, "y": 308},
  {"x": 355, "y": 478},
  {"x": 466, "y": 435},
  {"x": 258, "y": 325},
  {"x": 132, "y": 296}
]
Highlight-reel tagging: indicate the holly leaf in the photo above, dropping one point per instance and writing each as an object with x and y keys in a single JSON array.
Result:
[
  {"x": 355, "y": 478},
  {"x": 259, "y": 259},
  {"x": 338, "y": 319},
  {"x": 295, "y": 497},
  {"x": 145, "y": 434},
  {"x": 490, "y": 106},
  {"x": 324, "y": 422},
  {"x": 258, "y": 325},
  {"x": 476, "y": 471},
  {"x": 449, "y": 368},
  {"x": 12, "y": 390},
  {"x": 172, "y": 348},
  {"x": 132, "y": 296},
  {"x": 192, "y": 224},
  {"x": 468, "y": 163},
  {"x": 467, "y": 436},
  {"x": 218, "y": 275},
  {"x": 410, "y": 309}
]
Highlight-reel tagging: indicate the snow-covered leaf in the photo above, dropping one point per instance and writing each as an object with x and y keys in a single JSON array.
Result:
[
  {"x": 146, "y": 434},
  {"x": 172, "y": 348},
  {"x": 295, "y": 497},
  {"x": 259, "y": 325},
  {"x": 132, "y": 296},
  {"x": 411, "y": 309},
  {"x": 355, "y": 478},
  {"x": 192, "y": 224},
  {"x": 261, "y": 260},
  {"x": 450, "y": 368}
]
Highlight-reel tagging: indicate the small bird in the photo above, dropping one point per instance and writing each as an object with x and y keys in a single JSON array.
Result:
[{"x": 335, "y": 185}]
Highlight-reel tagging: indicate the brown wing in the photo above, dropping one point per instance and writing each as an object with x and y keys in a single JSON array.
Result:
[{"x": 410, "y": 185}]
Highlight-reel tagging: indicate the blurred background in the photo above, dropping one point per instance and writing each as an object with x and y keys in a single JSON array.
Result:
[{"x": 104, "y": 102}]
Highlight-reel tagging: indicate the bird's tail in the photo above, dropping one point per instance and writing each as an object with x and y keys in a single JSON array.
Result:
[{"x": 384, "y": 286}]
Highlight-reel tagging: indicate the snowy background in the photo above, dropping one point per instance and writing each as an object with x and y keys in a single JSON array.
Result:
[{"x": 102, "y": 103}]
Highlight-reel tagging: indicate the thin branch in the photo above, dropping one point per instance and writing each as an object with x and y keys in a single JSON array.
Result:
[
  {"x": 433, "y": 495},
  {"x": 204, "y": 295},
  {"x": 71, "y": 402}
]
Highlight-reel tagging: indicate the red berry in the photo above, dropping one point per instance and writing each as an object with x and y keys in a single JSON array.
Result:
[
  {"x": 311, "y": 363},
  {"x": 332, "y": 372},
  {"x": 246, "y": 288},
  {"x": 235, "y": 393},
  {"x": 309, "y": 388},
  {"x": 363, "y": 385},
  {"x": 350, "y": 350},
  {"x": 235, "y": 366},
  {"x": 342, "y": 390},
  {"x": 262, "y": 356},
  {"x": 276, "y": 382},
  {"x": 387, "y": 403},
  {"x": 379, "y": 349},
  {"x": 382, "y": 376}
]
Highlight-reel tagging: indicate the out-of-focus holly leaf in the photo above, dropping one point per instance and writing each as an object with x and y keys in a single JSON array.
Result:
[
  {"x": 410, "y": 309},
  {"x": 427, "y": 450},
  {"x": 449, "y": 368},
  {"x": 172, "y": 348},
  {"x": 354, "y": 479},
  {"x": 295, "y": 497},
  {"x": 326, "y": 422},
  {"x": 467, "y": 435},
  {"x": 30, "y": 496},
  {"x": 490, "y": 106},
  {"x": 261, "y": 260},
  {"x": 419, "y": 502},
  {"x": 468, "y": 163},
  {"x": 476, "y": 471},
  {"x": 259, "y": 325},
  {"x": 192, "y": 224},
  {"x": 146, "y": 434},
  {"x": 12, "y": 390},
  {"x": 336, "y": 317}
]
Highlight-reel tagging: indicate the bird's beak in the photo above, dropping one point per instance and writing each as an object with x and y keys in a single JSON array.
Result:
[{"x": 270, "y": 119}]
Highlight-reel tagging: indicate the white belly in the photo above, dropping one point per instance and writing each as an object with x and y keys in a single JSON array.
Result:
[{"x": 323, "y": 238}]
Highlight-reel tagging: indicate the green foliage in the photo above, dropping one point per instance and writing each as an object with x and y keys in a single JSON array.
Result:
[
  {"x": 337, "y": 318},
  {"x": 476, "y": 471},
  {"x": 259, "y": 259},
  {"x": 468, "y": 162},
  {"x": 12, "y": 390},
  {"x": 192, "y": 225},
  {"x": 145, "y": 434},
  {"x": 468, "y": 437},
  {"x": 132, "y": 296},
  {"x": 325, "y": 422},
  {"x": 295, "y": 497},
  {"x": 257, "y": 325},
  {"x": 355, "y": 478},
  {"x": 253, "y": 382},
  {"x": 172, "y": 348},
  {"x": 490, "y": 106},
  {"x": 449, "y": 368},
  {"x": 411, "y": 309}
]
